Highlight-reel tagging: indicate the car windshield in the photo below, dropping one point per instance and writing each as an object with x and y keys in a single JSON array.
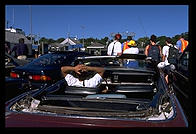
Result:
[
  {"x": 134, "y": 61},
  {"x": 50, "y": 59}
]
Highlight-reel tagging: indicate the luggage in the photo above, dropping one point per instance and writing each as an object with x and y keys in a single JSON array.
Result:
[
  {"x": 173, "y": 54},
  {"x": 154, "y": 52}
]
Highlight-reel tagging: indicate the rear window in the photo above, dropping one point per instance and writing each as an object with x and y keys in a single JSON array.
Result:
[{"x": 50, "y": 59}]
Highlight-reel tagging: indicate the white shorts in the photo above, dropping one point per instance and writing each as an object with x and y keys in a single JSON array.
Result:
[
  {"x": 22, "y": 57},
  {"x": 161, "y": 65}
]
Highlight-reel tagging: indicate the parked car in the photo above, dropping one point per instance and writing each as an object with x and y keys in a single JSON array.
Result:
[
  {"x": 181, "y": 82},
  {"x": 10, "y": 84},
  {"x": 46, "y": 69},
  {"x": 11, "y": 62},
  {"x": 137, "y": 96}
]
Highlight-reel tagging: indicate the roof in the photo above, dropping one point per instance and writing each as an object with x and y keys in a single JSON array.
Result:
[
  {"x": 69, "y": 41},
  {"x": 54, "y": 44},
  {"x": 14, "y": 37},
  {"x": 96, "y": 45}
]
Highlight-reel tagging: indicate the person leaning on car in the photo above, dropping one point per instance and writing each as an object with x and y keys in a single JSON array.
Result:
[{"x": 80, "y": 80}]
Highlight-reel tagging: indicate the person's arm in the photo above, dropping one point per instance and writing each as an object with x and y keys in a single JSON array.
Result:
[
  {"x": 164, "y": 52},
  {"x": 146, "y": 50},
  {"x": 163, "y": 58},
  {"x": 109, "y": 49},
  {"x": 119, "y": 49},
  {"x": 160, "y": 51},
  {"x": 178, "y": 44},
  {"x": 66, "y": 69},
  {"x": 119, "y": 54},
  {"x": 99, "y": 70}
]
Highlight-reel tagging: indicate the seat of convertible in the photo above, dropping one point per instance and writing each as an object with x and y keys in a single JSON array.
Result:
[{"x": 136, "y": 91}]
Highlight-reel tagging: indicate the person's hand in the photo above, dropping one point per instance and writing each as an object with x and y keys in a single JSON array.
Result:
[
  {"x": 84, "y": 68},
  {"x": 80, "y": 68}
]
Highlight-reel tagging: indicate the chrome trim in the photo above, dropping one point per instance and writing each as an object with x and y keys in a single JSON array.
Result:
[{"x": 127, "y": 83}]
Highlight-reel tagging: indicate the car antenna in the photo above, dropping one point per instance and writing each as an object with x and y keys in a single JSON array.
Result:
[{"x": 140, "y": 21}]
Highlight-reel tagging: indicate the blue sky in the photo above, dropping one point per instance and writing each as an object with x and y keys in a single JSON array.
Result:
[{"x": 98, "y": 21}]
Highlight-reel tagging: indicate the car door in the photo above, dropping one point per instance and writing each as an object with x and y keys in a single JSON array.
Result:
[{"x": 181, "y": 81}]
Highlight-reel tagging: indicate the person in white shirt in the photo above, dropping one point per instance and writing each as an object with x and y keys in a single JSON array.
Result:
[
  {"x": 165, "y": 65},
  {"x": 114, "y": 47},
  {"x": 165, "y": 54},
  {"x": 81, "y": 72}
]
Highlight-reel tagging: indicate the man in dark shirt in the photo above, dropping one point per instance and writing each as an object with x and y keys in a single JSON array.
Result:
[{"x": 21, "y": 49}]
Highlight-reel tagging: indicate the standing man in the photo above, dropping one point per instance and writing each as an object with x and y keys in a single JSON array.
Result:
[
  {"x": 114, "y": 47},
  {"x": 181, "y": 44},
  {"x": 166, "y": 63},
  {"x": 21, "y": 49},
  {"x": 153, "y": 50}
]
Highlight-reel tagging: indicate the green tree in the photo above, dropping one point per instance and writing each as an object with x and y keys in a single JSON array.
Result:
[
  {"x": 44, "y": 40},
  {"x": 59, "y": 40},
  {"x": 50, "y": 41},
  {"x": 161, "y": 40},
  {"x": 176, "y": 37},
  {"x": 103, "y": 40},
  {"x": 142, "y": 42}
]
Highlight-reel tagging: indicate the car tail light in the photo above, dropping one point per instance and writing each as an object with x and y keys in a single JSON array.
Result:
[
  {"x": 14, "y": 75},
  {"x": 39, "y": 77}
]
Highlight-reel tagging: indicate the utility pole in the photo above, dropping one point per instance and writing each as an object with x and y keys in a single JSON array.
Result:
[
  {"x": 31, "y": 21},
  {"x": 38, "y": 38},
  {"x": 7, "y": 23},
  {"x": 13, "y": 18},
  {"x": 140, "y": 21},
  {"x": 83, "y": 33}
]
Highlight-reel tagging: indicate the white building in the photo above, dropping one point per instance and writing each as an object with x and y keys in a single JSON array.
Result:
[{"x": 71, "y": 44}]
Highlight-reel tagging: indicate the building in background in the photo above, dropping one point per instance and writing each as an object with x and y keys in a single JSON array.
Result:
[
  {"x": 97, "y": 49},
  {"x": 13, "y": 35},
  {"x": 71, "y": 44}
]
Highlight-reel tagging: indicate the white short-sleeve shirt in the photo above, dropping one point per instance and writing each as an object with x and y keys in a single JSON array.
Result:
[
  {"x": 116, "y": 47},
  {"x": 92, "y": 82},
  {"x": 165, "y": 52},
  {"x": 132, "y": 50}
]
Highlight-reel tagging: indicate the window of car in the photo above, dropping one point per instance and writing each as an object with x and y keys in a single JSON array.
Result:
[{"x": 50, "y": 59}]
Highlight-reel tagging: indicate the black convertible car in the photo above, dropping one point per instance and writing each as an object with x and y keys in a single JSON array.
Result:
[
  {"x": 136, "y": 96},
  {"x": 45, "y": 69}
]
